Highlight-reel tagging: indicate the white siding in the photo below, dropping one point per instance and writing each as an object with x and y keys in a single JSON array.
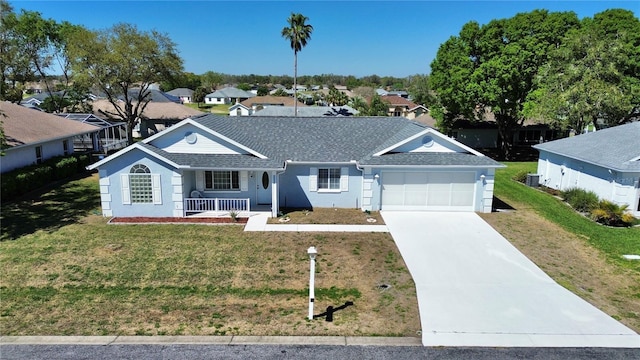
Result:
[{"x": 205, "y": 143}]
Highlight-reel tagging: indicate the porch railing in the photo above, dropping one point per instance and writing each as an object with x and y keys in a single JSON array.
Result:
[{"x": 216, "y": 206}]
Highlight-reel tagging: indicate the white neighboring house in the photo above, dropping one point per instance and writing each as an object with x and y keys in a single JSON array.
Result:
[
  {"x": 258, "y": 103},
  {"x": 229, "y": 95},
  {"x": 34, "y": 136},
  {"x": 185, "y": 95},
  {"x": 606, "y": 162},
  {"x": 240, "y": 110}
]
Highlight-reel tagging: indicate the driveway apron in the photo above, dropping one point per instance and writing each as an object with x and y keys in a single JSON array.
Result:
[{"x": 475, "y": 289}]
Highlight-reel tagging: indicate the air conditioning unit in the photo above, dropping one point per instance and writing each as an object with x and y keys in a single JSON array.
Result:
[{"x": 533, "y": 180}]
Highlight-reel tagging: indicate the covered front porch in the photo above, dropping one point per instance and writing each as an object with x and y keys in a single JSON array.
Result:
[{"x": 224, "y": 193}]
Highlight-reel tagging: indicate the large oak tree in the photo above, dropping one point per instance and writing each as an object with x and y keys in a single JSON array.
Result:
[
  {"x": 33, "y": 48},
  {"x": 123, "y": 62},
  {"x": 593, "y": 78},
  {"x": 491, "y": 68}
]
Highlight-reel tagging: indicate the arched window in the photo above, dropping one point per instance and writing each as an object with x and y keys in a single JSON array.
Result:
[
  {"x": 140, "y": 184},
  {"x": 139, "y": 169}
]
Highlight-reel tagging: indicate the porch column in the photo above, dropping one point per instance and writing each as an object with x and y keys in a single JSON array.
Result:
[
  {"x": 177, "y": 194},
  {"x": 275, "y": 203}
]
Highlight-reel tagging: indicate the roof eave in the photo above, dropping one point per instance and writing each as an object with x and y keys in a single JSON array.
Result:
[
  {"x": 128, "y": 149},
  {"x": 498, "y": 166},
  {"x": 605, "y": 166}
]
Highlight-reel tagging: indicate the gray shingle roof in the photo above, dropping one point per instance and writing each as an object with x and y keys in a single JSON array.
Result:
[
  {"x": 332, "y": 139},
  {"x": 431, "y": 159},
  {"x": 230, "y": 92},
  {"x": 614, "y": 148},
  {"x": 181, "y": 92},
  {"x": 307, "y": 111}
]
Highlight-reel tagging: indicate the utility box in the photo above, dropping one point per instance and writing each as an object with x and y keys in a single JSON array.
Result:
[{"x": 533, "y": 180}]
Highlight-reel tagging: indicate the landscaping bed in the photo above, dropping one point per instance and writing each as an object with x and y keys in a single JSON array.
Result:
[
  {"x": 177, "y": 220},
  {"x": 328, "y": 216}
]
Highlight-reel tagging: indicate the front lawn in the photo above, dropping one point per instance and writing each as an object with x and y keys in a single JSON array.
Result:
[
  {"x": 86, "y": 277},
  {"x": 214, "y": 109},
  {"x": 615, "y": 242},
  {"x": 579, "y": 254}
]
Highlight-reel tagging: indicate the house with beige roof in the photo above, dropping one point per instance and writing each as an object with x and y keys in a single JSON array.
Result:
[
  {"x": 399, "y": 106},
  {"x": 252, "y": 105},
  {"x": 157, "y": 115},
  {"x": 34, "y": 136}
]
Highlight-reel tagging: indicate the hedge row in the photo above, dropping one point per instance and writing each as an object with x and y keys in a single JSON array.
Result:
[{"x": 23, "y": 180}]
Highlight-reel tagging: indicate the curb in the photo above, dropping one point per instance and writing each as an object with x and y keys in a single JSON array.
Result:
[{"x": 211, "y": 340}]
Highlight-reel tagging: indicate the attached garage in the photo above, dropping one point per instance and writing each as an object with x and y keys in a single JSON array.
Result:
[{"x": 428, "y": 190}]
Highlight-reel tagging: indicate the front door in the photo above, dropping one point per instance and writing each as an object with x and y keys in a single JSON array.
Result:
[{"x": 263, "y": 184}]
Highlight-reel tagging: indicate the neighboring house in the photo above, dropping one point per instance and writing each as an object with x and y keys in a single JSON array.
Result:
[
  {"x": 185, "y": 95},
  {"x": 483, "y": 134},
  {"x": 112, "y": 135},
  {"x": 35, "y": 100},
  {"x": 427, "y": 119},
  {"x": 34, "y": 136},
  {"x": 228, "y": 95},
  {"x": 157, "y": 116},
  {"x": 400, "y": 93},
  {"x": 606, "y": 162},
  {"x": 399, "y": 106},
  {"x": 476, "y": 134},
  {"x": 307, "y": 111},
  {"x": 215, "y": 164},
  {"x": 257, "y": 103},
  {"x": 240, "y": 109}
]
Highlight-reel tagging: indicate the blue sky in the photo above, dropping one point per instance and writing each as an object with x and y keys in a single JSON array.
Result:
[{"x": 360, "y": 38}]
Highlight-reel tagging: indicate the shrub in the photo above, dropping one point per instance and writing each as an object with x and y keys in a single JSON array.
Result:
[
  {"x": 66, "y": 167},
  {"x": 580, "y": 199},
  {"x": 41, "y": 176},
  {"x": 521, "y": 176},
  {"x": 84, "y": 160},
  {"x": 20, "y": 181},
  {"x": 611, "y": 214}
]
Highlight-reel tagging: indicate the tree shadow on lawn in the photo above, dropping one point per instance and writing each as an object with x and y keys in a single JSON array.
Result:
[{"x": 49, "y": 208}]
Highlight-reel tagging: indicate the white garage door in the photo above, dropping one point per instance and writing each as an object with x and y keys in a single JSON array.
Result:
[{"x": 451, "y": 191}]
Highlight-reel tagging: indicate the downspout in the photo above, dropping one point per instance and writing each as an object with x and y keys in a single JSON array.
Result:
[
  {"x": 275, "y": 201},
  {"x": 361, "y": 182}
]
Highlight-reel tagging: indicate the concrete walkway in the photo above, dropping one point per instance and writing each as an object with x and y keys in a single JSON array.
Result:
[
  {"x": 258, "y": 222},
  {"x": 475, "y": 289}
]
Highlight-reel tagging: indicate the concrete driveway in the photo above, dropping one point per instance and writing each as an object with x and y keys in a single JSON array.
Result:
[{"x": 476, "y": 289}]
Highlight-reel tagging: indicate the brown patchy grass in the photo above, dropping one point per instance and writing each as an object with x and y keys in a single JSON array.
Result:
[
  {"x": 572, "y": 262},
  {"x": 91, "y": 278},
  {"x": 329, "y": 216}
]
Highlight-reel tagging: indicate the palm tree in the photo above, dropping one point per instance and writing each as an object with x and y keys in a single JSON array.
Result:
[{"x": 298, "y": 33}]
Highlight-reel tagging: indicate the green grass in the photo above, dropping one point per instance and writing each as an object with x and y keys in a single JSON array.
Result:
[
  {"x": 215, "y": 109},
  {"x": 65, "y": 271},
  {"x": 614, "y": 242},
  {"x": 50, "y": 208}
]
